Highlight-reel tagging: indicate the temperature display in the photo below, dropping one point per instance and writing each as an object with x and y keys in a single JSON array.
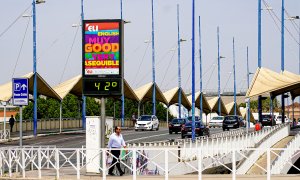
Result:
[{"x": 102, "y": 86}]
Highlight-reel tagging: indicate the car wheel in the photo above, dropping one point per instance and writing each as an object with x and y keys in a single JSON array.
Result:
[
  {"x": 157, "y": 128},
  {"x": 176, "y": 132},
  {"x": 170, "y": 132},
  {"x": 223, "y": 129},
  {"x": 136, "y": 130},
  {"x": 182, "y": 136}
]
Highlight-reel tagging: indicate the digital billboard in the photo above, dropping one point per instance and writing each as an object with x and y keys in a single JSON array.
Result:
[
  {"x": 102, "y": 47},
  {"x": 102, "y": 57}
]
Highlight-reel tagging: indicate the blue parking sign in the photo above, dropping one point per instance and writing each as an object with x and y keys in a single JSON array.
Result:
[{"x": 20, "y": 91}]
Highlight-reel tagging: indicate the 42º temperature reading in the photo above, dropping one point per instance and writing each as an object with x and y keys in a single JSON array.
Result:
[{"x": 107, "y": 85}]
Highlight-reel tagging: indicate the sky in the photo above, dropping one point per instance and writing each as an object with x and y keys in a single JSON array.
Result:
[{"x": 59, "y": 44}]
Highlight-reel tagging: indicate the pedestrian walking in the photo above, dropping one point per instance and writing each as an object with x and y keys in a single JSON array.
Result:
[
  {"x": 116, "y": 141},
  {"x": 11, "y": 122}
]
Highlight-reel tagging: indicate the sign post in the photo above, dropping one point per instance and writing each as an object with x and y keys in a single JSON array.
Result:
[{"x": 20, "y": 97}]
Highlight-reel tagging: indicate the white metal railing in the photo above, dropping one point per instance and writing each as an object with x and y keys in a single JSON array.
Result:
[
  {"x": 4, "y": 135},
  {"x": 285, "y": 159},
  {"x": 274, "y": 136},
  {"x": 138, "y": 162}
]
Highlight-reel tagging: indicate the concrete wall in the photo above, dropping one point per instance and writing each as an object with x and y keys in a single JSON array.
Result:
[{"x": 45, "y": 124}]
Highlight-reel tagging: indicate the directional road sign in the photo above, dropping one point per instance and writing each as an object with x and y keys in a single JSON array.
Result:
[{"x": 20, "y": 91}]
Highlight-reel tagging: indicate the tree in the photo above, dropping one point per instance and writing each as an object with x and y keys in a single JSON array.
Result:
[{"x": 265, "y": 105}]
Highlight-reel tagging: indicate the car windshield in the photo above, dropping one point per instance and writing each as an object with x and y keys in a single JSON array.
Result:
[
  {"x": 231, "y": 118},
  {"x": 145, "y": 118},
  {"x": 265, "y": 116},
  {"x": 217, "y": 118},
  {"x": 177, "y": 121},
  {"x": 190, "y": 118}
]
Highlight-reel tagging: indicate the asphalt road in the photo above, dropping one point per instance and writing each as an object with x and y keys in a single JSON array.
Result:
[{"x": 77, "y": 140}]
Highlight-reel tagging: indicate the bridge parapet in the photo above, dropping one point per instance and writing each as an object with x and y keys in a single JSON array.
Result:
[
  {"x": 287, "y": 157},
  {"x": 264, "y": 143}
]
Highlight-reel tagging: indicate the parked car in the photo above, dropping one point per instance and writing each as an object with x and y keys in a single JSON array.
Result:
[
  {"x": 268, "y": 120},
  {"x": 175, "y": 125},
  {"x": 232, "y": 122},
  {"x": 216, "y": 121},
  {"x": 279, "y": 119},
  {"x": 147, "y": 122},
  {"x": 200, "y": 129}
]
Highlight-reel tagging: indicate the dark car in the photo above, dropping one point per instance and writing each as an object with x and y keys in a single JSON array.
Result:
[
  {"x": 200, "y": 129},
  {"x": 268, "y": 120},
  {"x": 233, "y": 122},
  {"x": 175, "y": 125}
]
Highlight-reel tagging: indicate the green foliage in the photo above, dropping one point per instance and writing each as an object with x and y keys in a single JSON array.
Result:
[
  {"x": 71, "y": 108},
  {"x": 265, "y": 105}
]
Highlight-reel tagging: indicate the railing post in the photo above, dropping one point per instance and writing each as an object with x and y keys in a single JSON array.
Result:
[
  {"x": 10, "y": 163},
  {"x": 233, "y": 165},
  {"x": 48, "y": 157},
  {"x": 199, "y": 164},
  {"x": 134, "y": 164},
  {"x": 31, "y": 154},
  {"x": 23, "y": 162},
  {"x": 103, "y": 164},
  {"x": 166, "y": 164},
  {"x": 78, "y": 163},
  {"x": 268, "y": 164},
  {"x": 39, "y": 163},
  {"x": 1, "y": 163},
  {"x": 57, "y": 163}
]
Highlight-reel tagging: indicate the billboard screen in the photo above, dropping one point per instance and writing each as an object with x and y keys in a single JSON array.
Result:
[{"x": 102, "y": 48}]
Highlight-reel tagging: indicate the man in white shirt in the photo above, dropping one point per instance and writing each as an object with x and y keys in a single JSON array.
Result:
[{"x": 116, "y": 141}]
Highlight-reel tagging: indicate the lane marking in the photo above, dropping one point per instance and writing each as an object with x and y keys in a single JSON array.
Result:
[
  {"x": 58, "y": 140},
  {"x": 147, "y": 137}
]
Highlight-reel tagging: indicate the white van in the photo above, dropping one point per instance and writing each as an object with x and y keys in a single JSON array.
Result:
[{"x": 147, "y": 122}]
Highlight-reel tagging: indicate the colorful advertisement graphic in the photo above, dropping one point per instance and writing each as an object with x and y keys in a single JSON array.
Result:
[{"x": 101, "y": 48}]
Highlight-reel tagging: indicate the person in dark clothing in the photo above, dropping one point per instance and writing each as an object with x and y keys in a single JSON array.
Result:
[{"x": 11, "y": 122}]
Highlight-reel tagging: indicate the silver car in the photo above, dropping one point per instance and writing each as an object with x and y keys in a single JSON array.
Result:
[{"x": 216, "y": 121}]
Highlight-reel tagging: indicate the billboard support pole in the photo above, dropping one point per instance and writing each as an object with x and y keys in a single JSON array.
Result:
[{"x": 102, "y": 124}]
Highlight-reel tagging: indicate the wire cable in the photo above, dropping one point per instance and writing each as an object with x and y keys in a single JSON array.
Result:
[
  {"x": 69, "y": 54},
  {"x": 19, "y": 54},
  {"x": 141, "y": 63},
  {"x": 5, "y": 30},
  {"x": 167, "y": 69}
]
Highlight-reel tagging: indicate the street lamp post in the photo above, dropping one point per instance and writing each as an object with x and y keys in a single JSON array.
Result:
[
  {"x": 179, "y": 68},
  {"x": 153, "y": 63},
  {"x": 234, "y": 79},
  {"x": 193, "y": 70},
  {"x": 282, "y": 57},
  {"x": 34, "y": 2},
  {"x": 200, "y": 59}
]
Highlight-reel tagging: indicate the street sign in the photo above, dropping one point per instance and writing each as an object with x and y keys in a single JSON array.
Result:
[{"x": 20, "y": 91}]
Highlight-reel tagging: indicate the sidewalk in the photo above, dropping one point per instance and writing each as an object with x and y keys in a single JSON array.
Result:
[
  {"x": 15, "y": 136},
  {"x": 186, "y": 177}
]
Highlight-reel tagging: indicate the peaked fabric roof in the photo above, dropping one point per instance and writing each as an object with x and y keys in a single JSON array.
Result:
[
  {"x": 266, "y": 81},
  {"x": 230, "y": 109},
  {"x": 144, "y": 93},
  {"x": 244, "y": 111},
  {"x": 206, "y": 107},
  {"x": 74, "y": 86},
  {"x": 213, "y": 103},
  {"x": 42, "y": 87},
  {"x": 172, "y": 97},
  {"x": 294, "y": 88}
]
